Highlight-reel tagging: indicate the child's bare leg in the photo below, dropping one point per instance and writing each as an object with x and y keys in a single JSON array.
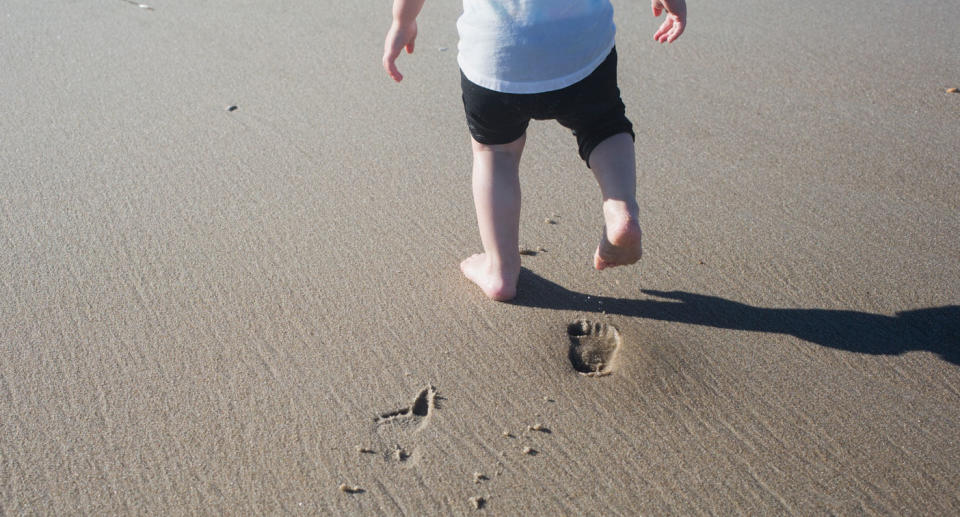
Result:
[
  {"x": 496, "y": 195},
  {"x": 613, "y": 164}
]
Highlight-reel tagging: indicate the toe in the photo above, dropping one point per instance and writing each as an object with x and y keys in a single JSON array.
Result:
[{"x": 598, "y": 263}]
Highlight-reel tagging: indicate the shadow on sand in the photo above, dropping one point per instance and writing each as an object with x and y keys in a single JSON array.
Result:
[{"x": 935, "y": 329}]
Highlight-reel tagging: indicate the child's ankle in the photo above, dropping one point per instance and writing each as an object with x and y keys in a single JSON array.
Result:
[
  {"x": 621, "y": 209},
  {"x": 507, "y": 264}
]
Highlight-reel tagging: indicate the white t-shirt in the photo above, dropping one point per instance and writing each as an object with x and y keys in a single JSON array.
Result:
[{"x": 533, "y": 46}]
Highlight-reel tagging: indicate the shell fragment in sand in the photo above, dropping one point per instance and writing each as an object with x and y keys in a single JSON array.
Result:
[{"x": 350, "y": 489}]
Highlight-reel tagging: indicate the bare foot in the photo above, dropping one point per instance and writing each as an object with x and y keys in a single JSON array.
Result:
[
  {"x": 496, "y": 283},
  {"x": 620, "y": 244}
]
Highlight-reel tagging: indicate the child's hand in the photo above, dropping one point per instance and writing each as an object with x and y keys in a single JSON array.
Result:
[
  {"x": 398, "y": 37},
  {"x": 672, "y": 27}
]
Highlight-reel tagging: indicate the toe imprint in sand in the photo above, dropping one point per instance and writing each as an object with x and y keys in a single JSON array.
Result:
[
  {"x": 593, "y": 347},
  {"x": 399, "y": 454},
  {"x": 419, "y": 411},
  {"x": 477, "y": 502}
]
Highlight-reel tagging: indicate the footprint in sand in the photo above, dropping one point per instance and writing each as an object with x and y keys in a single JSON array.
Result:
[
  {"x": 397, "y": 430},
  {"x": 418, "y": 413},
  {"x": 593, "y": 347}
]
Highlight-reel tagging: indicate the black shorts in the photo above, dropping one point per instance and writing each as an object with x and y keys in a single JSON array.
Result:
[{"x": 592, "y": 108}]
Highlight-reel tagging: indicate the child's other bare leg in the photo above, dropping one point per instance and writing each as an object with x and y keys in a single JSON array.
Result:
[
  {"x": 496, "y": 195},
  {"x": 613, "y": 164}
]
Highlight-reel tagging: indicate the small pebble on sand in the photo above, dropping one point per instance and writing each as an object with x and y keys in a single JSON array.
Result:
[
  {"x": 478, "y": 477},
  {"x": 348, "y": 489},
  {"x": 529, "y": 450},
  {"x": 952, "y": 90},
  {"x": 231, "y": 108}
]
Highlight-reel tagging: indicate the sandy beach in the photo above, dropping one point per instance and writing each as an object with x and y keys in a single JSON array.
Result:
[{"x": 258, "y": 310}]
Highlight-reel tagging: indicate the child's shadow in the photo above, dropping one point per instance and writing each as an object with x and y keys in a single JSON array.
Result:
[{"x": 935, "y": 329}]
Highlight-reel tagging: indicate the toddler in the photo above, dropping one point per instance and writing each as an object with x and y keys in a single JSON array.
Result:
[{"x": 539, "y": 59}]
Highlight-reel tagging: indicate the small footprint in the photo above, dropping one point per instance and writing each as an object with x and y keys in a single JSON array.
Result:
[
  {"x": 396, "y": 431},
  {"x": 593, "y": 347},
  {"x": 419, "y": 411}
]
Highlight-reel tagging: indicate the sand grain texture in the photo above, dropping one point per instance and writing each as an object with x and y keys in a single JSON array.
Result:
[{"x": 205, "y": 310}]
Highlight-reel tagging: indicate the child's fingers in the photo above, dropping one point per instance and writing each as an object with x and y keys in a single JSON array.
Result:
[
  {"x": 662, "y": 31},
  {"x": 394, "y": 73},
  {"x": 390, "y": 65},
  {"x": 676, "y": 31},
  {"x": 398, "y": 39},
  {"x": 411, "y": 38},
  {"x": 670, "y": 30},
  {"x": 657, "y": 7}
]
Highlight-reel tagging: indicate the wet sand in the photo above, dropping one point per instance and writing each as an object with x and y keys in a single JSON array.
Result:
[{"x": 259, "y": 310}]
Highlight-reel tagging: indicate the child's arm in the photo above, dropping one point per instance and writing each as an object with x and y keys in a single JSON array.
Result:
[
  {"x": 672, "y": 27},
  {"x": 401, "y": 35}
]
